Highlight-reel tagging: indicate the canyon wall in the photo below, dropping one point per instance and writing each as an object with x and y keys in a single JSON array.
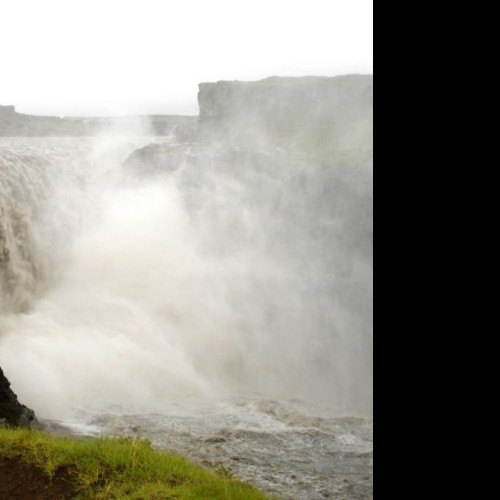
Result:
[
  {"x": 318, "y": 115},
  {"x": 13, "y": 124}
]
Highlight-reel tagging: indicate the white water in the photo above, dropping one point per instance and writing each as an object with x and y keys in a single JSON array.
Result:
[
  {"x": 212, "y": 280},
  {"x": 239, "y": 275}
]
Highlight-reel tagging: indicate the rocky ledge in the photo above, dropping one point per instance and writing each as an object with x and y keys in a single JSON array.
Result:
[
  {"x": 310, "y": 114},
  {"x": 11, "y": 411},
  {"x": 14, "y": 124}
]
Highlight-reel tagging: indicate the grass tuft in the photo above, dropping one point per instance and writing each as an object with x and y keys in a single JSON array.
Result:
[{"x": 122, "y": 468}]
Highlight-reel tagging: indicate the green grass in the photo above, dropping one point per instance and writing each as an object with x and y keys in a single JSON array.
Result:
[{"x": 122, "y": 468}]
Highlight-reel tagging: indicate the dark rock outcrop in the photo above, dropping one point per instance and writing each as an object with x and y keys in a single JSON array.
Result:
[{"x": 11, "y": 411}]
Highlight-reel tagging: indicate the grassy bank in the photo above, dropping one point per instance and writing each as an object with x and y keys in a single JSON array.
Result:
[{"x": 120, "y": 468}]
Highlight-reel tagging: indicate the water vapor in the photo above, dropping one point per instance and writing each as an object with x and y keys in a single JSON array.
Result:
[{"x": 222, "y": 271}]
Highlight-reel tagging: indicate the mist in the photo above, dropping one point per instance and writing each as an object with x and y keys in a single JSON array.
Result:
[
  {"x": 214, "y": 274},
  {"x": 195, "y": 282}
]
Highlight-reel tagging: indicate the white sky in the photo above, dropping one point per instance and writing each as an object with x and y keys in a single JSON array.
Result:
[{"x": 99, "y": 57}]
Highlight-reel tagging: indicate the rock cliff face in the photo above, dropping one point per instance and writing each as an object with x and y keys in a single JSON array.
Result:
[
  {"x": 312, "y": 97},
  {"x": 17, "y": 124},
  {"x": 321, "y": 120},
  {"x": 310, "y": 114},
  {"x": 7, "y": 110},
  {"x": 11, "y": 411}
]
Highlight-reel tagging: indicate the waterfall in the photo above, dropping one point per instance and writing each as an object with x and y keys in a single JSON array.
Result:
[
  {"x": 31, "y": 175},
  {"x": 213, "y": 271}
]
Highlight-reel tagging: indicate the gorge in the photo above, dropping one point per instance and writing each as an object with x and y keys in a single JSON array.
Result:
[{"x": 212, "y": 280}]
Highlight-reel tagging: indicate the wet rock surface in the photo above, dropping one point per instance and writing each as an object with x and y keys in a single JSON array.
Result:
[{"x": 11, "y": 411}]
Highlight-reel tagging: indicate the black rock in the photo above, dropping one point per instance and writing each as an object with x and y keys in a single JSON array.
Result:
[{"x": 11, "y": 411}]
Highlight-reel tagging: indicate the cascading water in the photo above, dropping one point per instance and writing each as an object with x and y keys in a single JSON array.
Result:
[
  {"x": 29, "y": 176},
  {"x": 231, "y": 275}
]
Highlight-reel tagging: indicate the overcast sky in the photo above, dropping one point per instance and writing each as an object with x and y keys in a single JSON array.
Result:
[{"x": 98, "y": 57}]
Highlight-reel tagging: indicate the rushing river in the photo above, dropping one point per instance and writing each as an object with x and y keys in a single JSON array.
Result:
[{"x": 220, "y": 307}]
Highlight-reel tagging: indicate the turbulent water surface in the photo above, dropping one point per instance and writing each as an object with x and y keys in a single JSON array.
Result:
[{"x": 218, "y": 303}]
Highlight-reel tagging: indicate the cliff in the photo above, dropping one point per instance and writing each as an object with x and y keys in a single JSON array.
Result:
[
  {"x": 7, "y": 110},
  {"x": 311, "y": 114},
  {"x": 11, "y": 411},
  {"x": 13, "y": 124},
  {"x": 310, "y": 120}
]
